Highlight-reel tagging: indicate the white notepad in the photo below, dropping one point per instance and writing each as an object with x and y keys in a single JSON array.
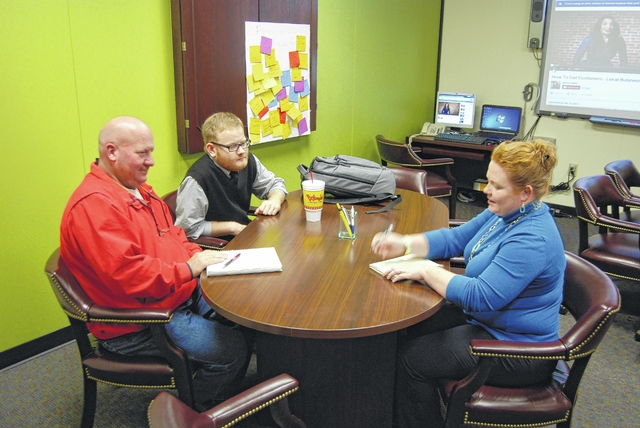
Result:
[
  {"x": 408, "y": 262},
  {"x": 252, "y": 260}
]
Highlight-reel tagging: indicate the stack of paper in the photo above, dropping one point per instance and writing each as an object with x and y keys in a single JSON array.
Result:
[
  {"x": 406, "y": 263},
  {"x": 252, "y": 260}
]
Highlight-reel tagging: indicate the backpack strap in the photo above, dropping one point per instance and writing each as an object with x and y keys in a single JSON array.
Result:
[{"x": 394, "y": 201}]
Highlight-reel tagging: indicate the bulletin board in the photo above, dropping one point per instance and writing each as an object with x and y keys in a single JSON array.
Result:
[
  {"x": 278, "y": 89},
  {"x": 209, "y": 56}
]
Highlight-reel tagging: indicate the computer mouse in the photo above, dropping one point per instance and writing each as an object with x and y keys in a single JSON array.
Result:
[{"x": 491, "y": 142}]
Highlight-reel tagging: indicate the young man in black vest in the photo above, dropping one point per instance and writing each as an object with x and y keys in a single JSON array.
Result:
[{"x": 214, "y": 197}]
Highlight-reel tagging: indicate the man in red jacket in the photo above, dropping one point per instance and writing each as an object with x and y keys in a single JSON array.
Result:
[{"x": 118, "y": 239}]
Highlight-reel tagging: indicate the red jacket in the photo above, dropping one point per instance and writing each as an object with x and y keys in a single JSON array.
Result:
[{"x": 124, "y": 253}]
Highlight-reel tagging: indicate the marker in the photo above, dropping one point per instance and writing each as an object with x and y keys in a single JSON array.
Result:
[
  {"x": 343, "y": 216},
  {"x": 231, "y": 260}
]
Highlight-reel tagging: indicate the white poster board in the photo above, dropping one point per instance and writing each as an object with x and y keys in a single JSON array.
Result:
[{"x": 278, "y": 87}]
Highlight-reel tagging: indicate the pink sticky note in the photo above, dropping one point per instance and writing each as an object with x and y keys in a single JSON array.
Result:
[
  {"x": 282, "y": 94},
  {"x": 265, "y": 45},
  {"x": 302, "y": 126},
  {"x": 298, "y": 86}
]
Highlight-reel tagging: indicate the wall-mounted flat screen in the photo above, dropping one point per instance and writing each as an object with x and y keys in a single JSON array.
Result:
[{"x": 591, "y": 59}]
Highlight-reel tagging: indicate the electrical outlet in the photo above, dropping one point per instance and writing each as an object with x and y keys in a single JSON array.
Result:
[{"x": 573, "y": 167}]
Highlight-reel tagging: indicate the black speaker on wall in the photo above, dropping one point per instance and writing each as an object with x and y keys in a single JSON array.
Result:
[{"x": 536, "y": 23}]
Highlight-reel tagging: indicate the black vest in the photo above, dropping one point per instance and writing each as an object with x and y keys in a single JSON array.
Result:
[{"x": 227, "y": 202}]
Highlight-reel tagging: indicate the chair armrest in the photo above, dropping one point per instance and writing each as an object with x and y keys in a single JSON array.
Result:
[
  {"x": 455, "y": 222},
  {"x": 507, "y": 349},
  {"x": 98, "y": 313},
  {"x": 619, "y": 225},
  {"x": 436, "y": 161},
  {"x": 258, "y": 397},
  {"x": 210, "y": 242}
]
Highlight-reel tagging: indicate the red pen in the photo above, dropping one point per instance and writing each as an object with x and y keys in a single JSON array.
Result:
[{"x": 234, "y": 258}]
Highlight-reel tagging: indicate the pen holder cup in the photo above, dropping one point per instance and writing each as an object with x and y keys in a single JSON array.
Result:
[{"x": 347, "y": 228}]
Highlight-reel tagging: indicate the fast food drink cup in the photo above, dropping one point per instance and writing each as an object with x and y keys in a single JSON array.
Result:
[{"x": 313, "y": 198}]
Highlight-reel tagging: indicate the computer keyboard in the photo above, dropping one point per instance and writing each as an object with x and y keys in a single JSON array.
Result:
[{"x": 460, "y": 138}]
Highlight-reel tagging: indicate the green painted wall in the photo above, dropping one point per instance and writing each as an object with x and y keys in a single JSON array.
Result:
[{"x": 71, "y": 65}]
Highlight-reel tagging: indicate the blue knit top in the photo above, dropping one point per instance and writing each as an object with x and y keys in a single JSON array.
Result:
[{"x": 515, "y": 272}]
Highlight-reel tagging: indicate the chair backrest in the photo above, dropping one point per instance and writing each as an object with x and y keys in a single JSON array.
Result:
[
  {"x": 594, "y": 195},
  {"x": 171, "y": 200},
  {"x": 411, "y": 179},
  {"x": 592, "y": 299},
  {"x": 396, "y": 153},
  {"x": 625, "y": 174},
  {"x": 72, "y": 298}
]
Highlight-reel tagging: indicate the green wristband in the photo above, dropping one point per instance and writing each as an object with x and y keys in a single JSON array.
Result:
[{"x": 406, "y": 240}]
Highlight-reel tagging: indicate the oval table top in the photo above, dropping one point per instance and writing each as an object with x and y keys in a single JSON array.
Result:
[{"x": 326, "y": 288}]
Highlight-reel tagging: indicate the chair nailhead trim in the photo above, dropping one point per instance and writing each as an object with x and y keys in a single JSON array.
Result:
[
  {"x": 172, "y": 385},
  {"x": 540, "y": 424},
  {"x": 257, "y": 409}
]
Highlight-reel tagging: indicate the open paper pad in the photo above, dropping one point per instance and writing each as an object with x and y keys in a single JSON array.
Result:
[
  {"x": 252, "y": 260},
  {"x": 409, "y": 262}
]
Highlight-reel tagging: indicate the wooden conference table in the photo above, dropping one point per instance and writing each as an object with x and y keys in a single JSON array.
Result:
[{"x": 327, "y": 319}]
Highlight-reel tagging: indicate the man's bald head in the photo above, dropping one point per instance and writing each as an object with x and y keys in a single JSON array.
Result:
[{"x": 125, "y": 144}]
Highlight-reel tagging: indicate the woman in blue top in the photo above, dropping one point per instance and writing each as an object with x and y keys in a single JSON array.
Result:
[{"x": 511, "y": 290}]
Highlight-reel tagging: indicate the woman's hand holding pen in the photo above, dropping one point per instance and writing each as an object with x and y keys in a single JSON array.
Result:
[{"x": 388, "y": 245}]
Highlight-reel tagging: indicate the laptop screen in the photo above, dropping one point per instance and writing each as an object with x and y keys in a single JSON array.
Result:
[{"x": 500, "y": 119}]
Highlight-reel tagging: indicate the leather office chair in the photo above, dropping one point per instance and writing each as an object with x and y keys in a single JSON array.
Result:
[
  {"x": 593, "y": 300},
  {"x": 403, "y": 155},
  {"x": 626, "y": 175},
  {"x": 615, "y": 249},
  {"x": 100, "y": 365},
  {"x": 205, "y": 242},
  {"x": 166, "y": 411}
]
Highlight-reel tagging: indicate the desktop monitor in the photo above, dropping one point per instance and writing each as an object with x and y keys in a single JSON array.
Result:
[{"x": 455, "y": 110}]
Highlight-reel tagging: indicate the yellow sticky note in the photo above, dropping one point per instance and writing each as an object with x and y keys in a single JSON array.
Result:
[
  {"x": 276, "y": 88},
  {"x": 303, "y": 103},
  {"x": 301, "y": 43},
  {"x": 304, "y": 60},
  {"x": 275, "y": 70},
  {"x": 274, "y": 118},
  {"x": 258, "y": 72},
  {"x": 286, "y": 131},
  {"x": 296, "y": 74},
  {"x": 277, "y": 130},
  {"x": 269, "y": 82},
  {"x": 270, "y": 60},
  {"x": 251, "y": 83},
  {"x": 293, "y": 112},
  {"x": 256, "y": 105},
  {"x": 254, "y": 54},
  {"x": 285, "y": 104},
  {"x": 267, "y": 97},
  {"x": 266, "y": 127},
  {"x": 254, "y": 126},
  {"x": 255, "y": 138}
]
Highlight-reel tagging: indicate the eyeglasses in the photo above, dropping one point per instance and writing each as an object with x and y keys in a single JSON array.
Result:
[{"x": 234, "y": 147}]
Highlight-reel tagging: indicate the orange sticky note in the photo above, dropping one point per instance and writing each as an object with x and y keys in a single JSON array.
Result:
[{"x": 294, "y": 59}]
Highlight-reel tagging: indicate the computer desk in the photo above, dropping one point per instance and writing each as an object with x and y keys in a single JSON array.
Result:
[
  {"x": 470, "y": 160},
  {"x": 327, "y": 319}
]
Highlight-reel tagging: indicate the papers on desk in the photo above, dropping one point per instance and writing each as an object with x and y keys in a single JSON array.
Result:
[
  {"x": 252, "y": 260},
  {"x": 407, "y": 263}
]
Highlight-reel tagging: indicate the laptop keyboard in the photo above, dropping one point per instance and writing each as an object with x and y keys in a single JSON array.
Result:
[{"x": 460, "y": 138}]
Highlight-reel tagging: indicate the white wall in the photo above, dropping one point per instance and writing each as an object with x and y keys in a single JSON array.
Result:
[{"x": 484, "y": 51}]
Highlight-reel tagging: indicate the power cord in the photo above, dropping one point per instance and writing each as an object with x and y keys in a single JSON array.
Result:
[{"x": 566, "y": 185}]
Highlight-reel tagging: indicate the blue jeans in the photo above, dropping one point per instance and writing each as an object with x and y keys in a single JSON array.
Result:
[{"x": 219, "y": 351}]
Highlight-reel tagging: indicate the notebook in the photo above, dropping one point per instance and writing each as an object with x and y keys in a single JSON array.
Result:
[
  {"x": 252, "y": 260},
  {"x": 408, "y": 262},
  {"x": 499, "y": 122}
]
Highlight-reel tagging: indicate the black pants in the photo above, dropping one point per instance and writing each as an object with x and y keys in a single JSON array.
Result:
[{"x": 439, "y": 348}]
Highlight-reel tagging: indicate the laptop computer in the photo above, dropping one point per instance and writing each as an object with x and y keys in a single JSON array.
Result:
[{"x": 499, "y": 122}]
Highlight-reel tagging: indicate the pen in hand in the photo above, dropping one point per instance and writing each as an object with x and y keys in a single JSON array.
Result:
[
  {"x": 231, "y": 260},
  {"x": 384, "y": 235}
]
